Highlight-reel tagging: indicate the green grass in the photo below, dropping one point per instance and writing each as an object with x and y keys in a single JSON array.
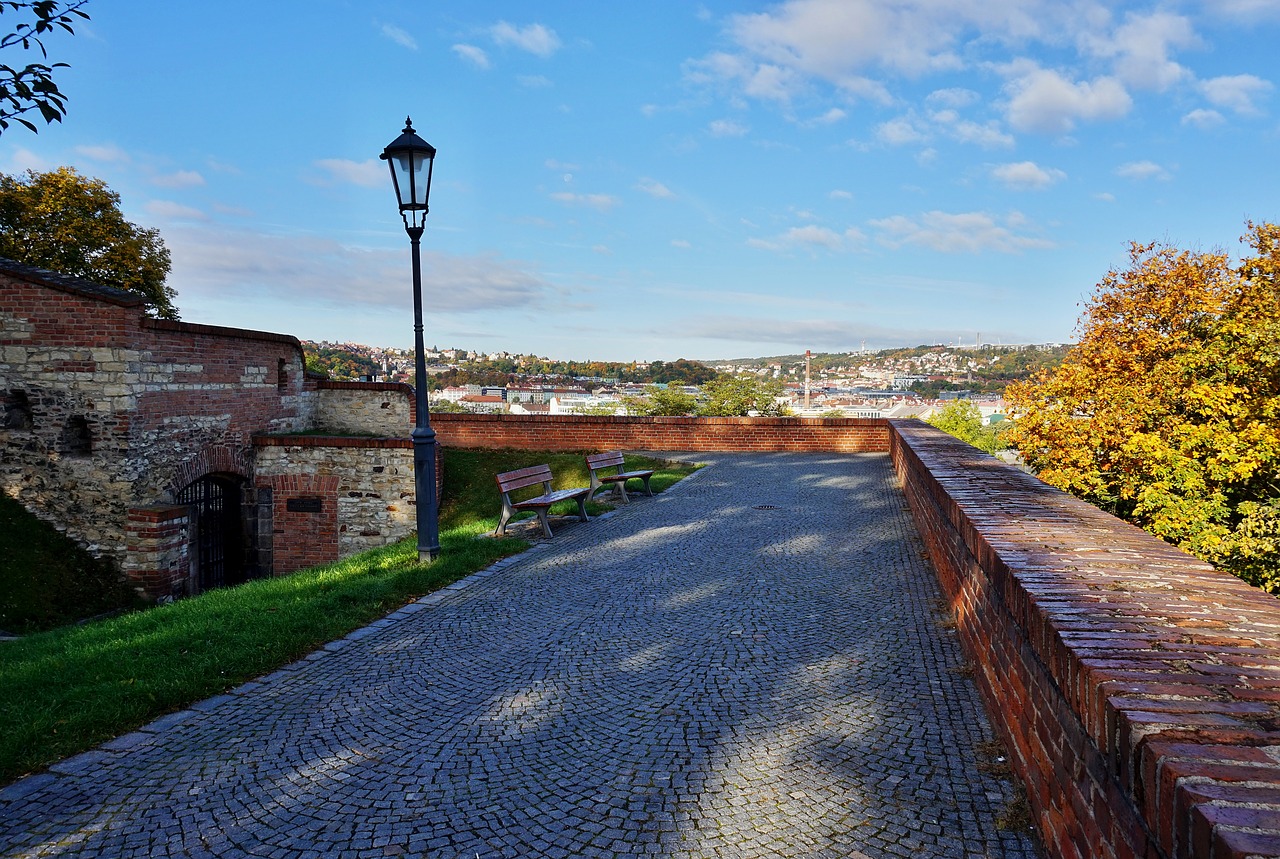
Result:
[{"x": 69, "y": 689}]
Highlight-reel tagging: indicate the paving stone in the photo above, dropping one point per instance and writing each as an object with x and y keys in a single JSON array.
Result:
[{"x": 687, "y": 677}]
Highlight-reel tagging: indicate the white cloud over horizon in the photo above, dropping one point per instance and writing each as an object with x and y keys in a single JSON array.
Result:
[{"x": 962, "y": 232}]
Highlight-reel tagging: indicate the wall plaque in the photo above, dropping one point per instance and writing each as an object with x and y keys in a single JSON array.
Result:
[{"x": 304, "y": 504}]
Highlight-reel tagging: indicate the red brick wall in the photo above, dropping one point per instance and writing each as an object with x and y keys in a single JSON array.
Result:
[
  {"x": 1135, "y": 686},
  {"x": 303, "y": 539},
  {"x": 596, "y": 433}
]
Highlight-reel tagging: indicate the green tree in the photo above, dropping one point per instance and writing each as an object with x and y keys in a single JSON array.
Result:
[
  {"x": 730, "y": 396},
  {"x": 963, "y": 420},
  {"x": 72, "y": 224},
  {"x": 1167, "y": 412},
  {"x": 32, "y": 87},
  {"x": 671, "y": 402}
]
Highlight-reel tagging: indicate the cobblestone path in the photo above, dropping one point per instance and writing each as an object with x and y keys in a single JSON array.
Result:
[{"x": 691, "y": 676}]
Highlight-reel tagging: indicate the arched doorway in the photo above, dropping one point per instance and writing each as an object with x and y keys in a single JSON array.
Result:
[{"x": 219, "y": 544}]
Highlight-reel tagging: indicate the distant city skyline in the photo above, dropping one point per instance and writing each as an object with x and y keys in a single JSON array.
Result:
[{"x": 656, "y": 181}]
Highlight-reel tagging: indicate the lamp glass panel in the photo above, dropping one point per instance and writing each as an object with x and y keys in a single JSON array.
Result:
[{"x": 412, "y": 188}]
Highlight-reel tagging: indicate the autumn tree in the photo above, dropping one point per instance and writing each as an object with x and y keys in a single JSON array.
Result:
[
  {"x": 1167, "y": 412},
  {"x": 72, "y": 224},
  {"x": 31, "y": 87}
]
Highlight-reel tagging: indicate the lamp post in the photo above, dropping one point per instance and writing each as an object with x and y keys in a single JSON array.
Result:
[{"x": 411, "y": 158}]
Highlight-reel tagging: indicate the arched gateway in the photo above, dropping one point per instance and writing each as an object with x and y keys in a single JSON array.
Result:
[{"x": 219, "y": 530}]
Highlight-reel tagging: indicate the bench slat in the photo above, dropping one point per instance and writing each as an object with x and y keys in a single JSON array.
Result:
[
  {"x": 519, "y": 479},
  {"x": 604, "y": 460}
]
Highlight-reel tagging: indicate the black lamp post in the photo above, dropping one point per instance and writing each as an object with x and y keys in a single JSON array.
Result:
[{"x": 411, "y": 159}]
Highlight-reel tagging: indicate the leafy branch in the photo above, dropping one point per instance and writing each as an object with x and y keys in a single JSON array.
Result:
[{"x": 32, "y": 87}]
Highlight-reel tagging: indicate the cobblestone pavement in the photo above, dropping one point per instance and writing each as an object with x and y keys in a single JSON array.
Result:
[{"x": 690, "y": 676}]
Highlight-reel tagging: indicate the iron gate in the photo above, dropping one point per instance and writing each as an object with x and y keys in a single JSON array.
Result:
[{"x": 218, "y": 548}]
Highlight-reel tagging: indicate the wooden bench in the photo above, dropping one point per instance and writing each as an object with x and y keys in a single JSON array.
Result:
[
  {"x": 598, "y": 462},
  {"x": 510, "y": 481}
]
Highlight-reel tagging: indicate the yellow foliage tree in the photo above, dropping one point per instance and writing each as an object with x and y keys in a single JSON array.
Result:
[
  {"x": 1167, "y": 413},
  {"x": 72, "y": 224}
]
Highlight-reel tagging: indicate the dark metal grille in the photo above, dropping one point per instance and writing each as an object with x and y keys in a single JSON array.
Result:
[{"x": 218, "y": 540}]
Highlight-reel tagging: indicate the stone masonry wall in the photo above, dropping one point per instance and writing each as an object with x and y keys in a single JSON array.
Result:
[
  {"x": 1137, "y": 689},
  {"x": 371, "y": 483},
  {"x": 370, "y": 408},
  {"x": 105, "y": 409}
]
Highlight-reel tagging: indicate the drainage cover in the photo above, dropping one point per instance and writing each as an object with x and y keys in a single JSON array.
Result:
[{"x": 766, "y": 507}]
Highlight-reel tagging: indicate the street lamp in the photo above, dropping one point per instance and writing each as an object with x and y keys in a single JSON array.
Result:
[{"x": 411, "y": 158}]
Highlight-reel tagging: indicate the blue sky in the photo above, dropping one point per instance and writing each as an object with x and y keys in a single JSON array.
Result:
[{"x": 665, "y": 179}]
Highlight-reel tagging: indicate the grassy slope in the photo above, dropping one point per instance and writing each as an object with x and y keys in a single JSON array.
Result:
[
  {"x": 46, "y": 580},
  {"x": 70, "y": 689}
]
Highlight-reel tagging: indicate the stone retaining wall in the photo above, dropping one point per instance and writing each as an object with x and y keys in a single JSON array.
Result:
[
  {"x": 348, "y": 495},
  {"x": 106, "y": 410},
  {"x": 1137, "y": 689}
]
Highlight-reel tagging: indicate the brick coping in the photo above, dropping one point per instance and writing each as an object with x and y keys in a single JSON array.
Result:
[{"x": 1158, "y": 692}]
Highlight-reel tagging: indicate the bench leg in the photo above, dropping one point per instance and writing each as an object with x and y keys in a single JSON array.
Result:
[
  {"x": 622, "y": 491},
  {"x": 647, "y": 490},
  {"x": 542, "y": 517},
  {"x": 502, "y": 522},
  {"x": 582, "y": 508}
]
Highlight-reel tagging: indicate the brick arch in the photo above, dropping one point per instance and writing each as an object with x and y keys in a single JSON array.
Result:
[{"x": 219, "y": 458}]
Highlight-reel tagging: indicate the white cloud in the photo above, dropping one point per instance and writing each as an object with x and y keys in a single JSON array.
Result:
[
  {"x": 681, "y": 243},
  {"x": 964, "y": 232},
  {"x": 533, "y": 81},
  {"x": 174, "y": 211},
  {"x": 1140, "y": 49},
  {"x": 655, "y": 189},
  {"x": 318, "y": 270},
  {"x": 180, "y": 179},
  {"x": 954, "y": 97},
  {"x": 1142, "y": 170},
  {"x": 811, "y": 236},
  {"x": 1236, "y": 92},
  {"x": 109, "y": 153},
  {"x": 476, "y": 56},
  {"x": 399, "y": 36},
  {"x": 726, "y": 128},
  {"x": 831, "y": 117},
  {"x": 22, "y": 160},
  {"x": 1248, "y": 11},
  {"x": 367, "y": 174},
  {"x": 599, "y": 202},
  {"x": 900, "y": 132},
  {"x": 1203, "y": 118},
  {"x": 1042, "y": 100},
  {"x": 848, "y": 44},
  {"x": 603, "y": 250},
  {"x": 772, "y": 332},
  {"x": 987, "y": 135},
  {"x": 534, "y": 38},
  {"x": 1027, "y": 176},
  {"x": 839, "y": 194}
]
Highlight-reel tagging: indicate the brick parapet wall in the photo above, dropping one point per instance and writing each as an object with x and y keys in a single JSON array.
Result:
[
  {"x": 1136, "y": 687},
  {"x": 598, "y": 433}
]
